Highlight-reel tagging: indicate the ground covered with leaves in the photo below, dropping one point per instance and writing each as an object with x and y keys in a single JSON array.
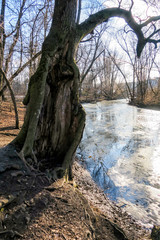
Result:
[
  {"x": 33, "y": 206},
  {"x": 7, "y": 121}
]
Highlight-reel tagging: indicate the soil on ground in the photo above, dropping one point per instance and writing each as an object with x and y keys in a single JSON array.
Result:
[
  {"x": 34, "y": 207},
  {"x": 7, "y": 121}
]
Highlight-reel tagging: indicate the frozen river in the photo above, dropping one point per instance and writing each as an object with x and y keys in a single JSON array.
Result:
[{"x": 121, "y": 149}]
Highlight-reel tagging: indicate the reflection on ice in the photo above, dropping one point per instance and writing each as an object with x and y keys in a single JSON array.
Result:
[{"x": 121, "y": 149}]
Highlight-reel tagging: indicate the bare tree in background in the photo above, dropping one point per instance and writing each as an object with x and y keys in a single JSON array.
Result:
[
  {"x": 5, "y": 61},
  {"x": 17, "y": 45},
  {"x": 88, "y": 53},
  {"x": 139, "y": 68}
]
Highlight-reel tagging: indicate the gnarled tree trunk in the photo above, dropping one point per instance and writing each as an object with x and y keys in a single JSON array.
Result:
[
  {"x": 55, "y": 120},
  {"x": 62, "y": 118}
]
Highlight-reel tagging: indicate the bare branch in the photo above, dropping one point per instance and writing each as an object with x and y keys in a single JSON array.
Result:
[
  {"x": 104, "y": 15},
  {"x": 120, "y": 70},
  {"x": 119, "y": 3},
  {"x": 88, "y": 39},
  {"x": 153, "y": 41},
  {"x": 19, "y": 71},
  {"x": 24, "y": 65},
  {"x": 151, "y": 19},
  {"x": 155, "y": 32},
  {"x": 91, "y": 64},
  {"x": 132, "y": 3},
  {"x": 79, "y": 10},
  {"x": 16, "y": 36}
]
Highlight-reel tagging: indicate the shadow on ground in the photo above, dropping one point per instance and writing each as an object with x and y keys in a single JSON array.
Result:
[{"x": 33, "y": 207}]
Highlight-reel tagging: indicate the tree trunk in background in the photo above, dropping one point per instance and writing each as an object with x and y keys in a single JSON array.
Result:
[
  {"x": 13, "y": 99},
  {"x": 2, "y": 43}
]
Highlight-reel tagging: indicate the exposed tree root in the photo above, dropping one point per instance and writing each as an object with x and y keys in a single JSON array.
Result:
[{"x": 11, "y": 233}]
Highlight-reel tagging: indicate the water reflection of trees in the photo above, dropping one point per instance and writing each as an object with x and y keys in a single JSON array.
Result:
[
  {"x": 118, "y": 143},
  {"x": 116, "y": 128},
  {"x": 100, "y": 174}
]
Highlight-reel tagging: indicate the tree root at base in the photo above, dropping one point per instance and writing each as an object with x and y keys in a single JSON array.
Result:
[{"x": 11, "y": 233}]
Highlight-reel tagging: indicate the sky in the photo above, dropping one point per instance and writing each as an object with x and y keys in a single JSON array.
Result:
[
  {"x": 139, "y": 7},
  {"x": 140, "y": 10}
]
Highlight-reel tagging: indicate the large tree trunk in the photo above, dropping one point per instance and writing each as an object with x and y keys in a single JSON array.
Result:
[
  {"x": 62, "y": 118},
  {"x": 54, "y": 119}
]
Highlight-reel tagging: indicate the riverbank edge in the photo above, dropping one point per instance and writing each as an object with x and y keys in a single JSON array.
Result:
[
  {"x": 134, "y": 230},
  {"x": 32, "y": 207},
  {"x": 13, "y": 213},
  {"x": 150, "y": 106}
]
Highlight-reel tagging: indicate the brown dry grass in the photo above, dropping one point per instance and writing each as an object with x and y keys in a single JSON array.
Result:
[
  {"x": 7, "y": 121},
  {"x": 152, "y": 98}
]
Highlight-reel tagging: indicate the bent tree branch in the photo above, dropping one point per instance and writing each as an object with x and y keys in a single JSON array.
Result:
[{"x": 104, "y": 15}]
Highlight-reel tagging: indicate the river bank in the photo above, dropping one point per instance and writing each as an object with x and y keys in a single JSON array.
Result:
[
  {"x": 33, "y": 206},
  {"x": 120, "y": 149}
]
